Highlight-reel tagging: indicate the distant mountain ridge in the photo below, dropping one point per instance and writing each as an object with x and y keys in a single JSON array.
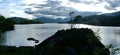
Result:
[
  {"x": 112, "y": 14},
  {"x": 110, "y": 19},
  {"x": 19, "y": 20},
  {"x": 106, "y": 15},
  {"x": 51, "y": 20},
  {"x": 107, "y": 19}
]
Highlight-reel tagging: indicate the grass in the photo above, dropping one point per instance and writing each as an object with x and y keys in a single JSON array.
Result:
[{"x": 11, "y": 50}]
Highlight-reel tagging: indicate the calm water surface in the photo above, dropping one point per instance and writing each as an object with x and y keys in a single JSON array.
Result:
[{"x": 18, "y": 37}]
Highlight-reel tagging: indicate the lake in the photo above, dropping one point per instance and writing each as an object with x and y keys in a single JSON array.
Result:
[{"x": 18, "y": 37}]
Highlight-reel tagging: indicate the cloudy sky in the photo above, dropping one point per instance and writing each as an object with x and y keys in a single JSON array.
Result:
[{"x": 56, "y": 8}]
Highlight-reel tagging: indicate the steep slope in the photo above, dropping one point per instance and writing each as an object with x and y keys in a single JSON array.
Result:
[
  {"x": 72, "y": 42},
  {"x": 109, "y": 19}
]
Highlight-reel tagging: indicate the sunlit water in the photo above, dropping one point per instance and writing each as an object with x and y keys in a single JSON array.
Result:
[{"x": 18, "y": 37}]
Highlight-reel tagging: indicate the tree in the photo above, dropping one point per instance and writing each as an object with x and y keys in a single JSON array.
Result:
[
  {"x": 77, "y": 19},
  {"x": 73, "y": 19},
  {"x": 71, "y": 14},
  {"x": 6, "y": 24},
  {"x": 1, "y": 18}
]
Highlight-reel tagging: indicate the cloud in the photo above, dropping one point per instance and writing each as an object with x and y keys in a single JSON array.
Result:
[
  {"x": 76, "y": 1},
  {"x": 54, "y": 8},
  {"x": 87, "y": 1},
  {"x": 9, "y": 7},
  {"x": 112, "y": 4},
  {"x": 57, "y": 8},
  {"x": 33, "y": 1},
  {"x": 109, "y": 7},
  {"x": 51, "y": 8}
]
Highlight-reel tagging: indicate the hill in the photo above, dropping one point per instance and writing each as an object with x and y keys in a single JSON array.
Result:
[
  {"x": 109, "y": 19},
  {"x": 6, "y": 24},
  {"x": 51, "y": 20},
  {"x": 19, "y": 20},
  {"x": 72, "y": 42}
]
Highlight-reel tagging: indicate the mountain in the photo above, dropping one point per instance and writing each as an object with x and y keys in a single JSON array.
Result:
[
  {"x": 108, "y": 19},
  {"x": 63, "y": 20},
  {"x": 113, "y": 14},
  {"x": 19, "y": 20},
  {"x": 51, "y": 20},
  {"x": 45, "y": 19}
]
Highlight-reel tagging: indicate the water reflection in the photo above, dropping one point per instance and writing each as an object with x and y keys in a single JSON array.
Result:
[
  {"x": 18, "y": 37},
  {"x": 2, "y": 39}
]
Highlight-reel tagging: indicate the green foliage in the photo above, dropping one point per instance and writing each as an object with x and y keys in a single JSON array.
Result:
[
  {"x": 72, "y": 42},
  {"x": 102, "y": 20},
  {"x": 74, "y": 20},
  {"x": 64, "y": 42},
  {"x": 2, "y": 18},
  {"x": 71, "y": 19},
  {"x": 19, "y": 20},
  {"x": 6, "y": 24},
  {"x": 28, "y": 22},
  {"x": 77, "y": 19},
  {"x": 11, "y": 50}
]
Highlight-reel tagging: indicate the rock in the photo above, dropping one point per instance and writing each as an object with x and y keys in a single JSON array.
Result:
[
  {"x": 32, "y": 39},
  {"x": 72, "y": 42}
]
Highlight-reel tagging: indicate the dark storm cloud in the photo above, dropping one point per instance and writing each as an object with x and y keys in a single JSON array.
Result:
[
  {"x": 61, "y": 11},
  {"x": 49, "y": 2},
  {"x": 110, "y": 8},
  {"x": 56, "y": 11},
  {"x": 113, "y": 4},
  {"x": 52, "y": 8}
]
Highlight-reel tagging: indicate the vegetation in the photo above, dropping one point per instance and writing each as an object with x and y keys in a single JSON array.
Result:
[
  {"x": 74, "y": 20},
  {"x": 72, "y": 42},
  {"x": 101, "y": 20},
  {"x": 11, "y": 50},
  {"x": 6, "y": 24},
  {"x": 71, "y": 14},
  {"x": 113, "y": 21},
  {"x": 77, "y": 19},
  {"x": 30, "y": 22},
  {"x": 19, "y": 20}
]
